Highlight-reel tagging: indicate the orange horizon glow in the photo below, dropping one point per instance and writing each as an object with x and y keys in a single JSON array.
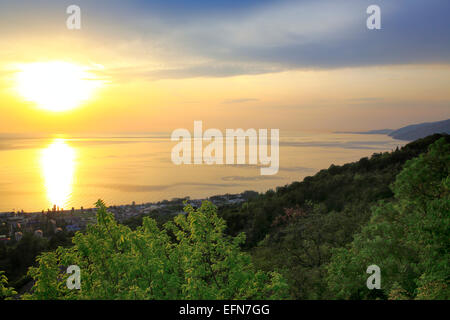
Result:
[{"x": 98, "y": 97}]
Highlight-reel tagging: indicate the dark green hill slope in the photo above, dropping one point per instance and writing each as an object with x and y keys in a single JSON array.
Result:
[
  {"x": 295, "y": 229},
  {"x": 357, "y": 184}
]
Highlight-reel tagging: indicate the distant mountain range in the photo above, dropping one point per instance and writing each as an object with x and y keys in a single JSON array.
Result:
[
  {"x": 421, "y": 130},
  {"x": 414, "y": 131}
]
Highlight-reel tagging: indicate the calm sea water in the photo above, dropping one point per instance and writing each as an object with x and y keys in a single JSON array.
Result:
[{"x": 36, "y": 173}]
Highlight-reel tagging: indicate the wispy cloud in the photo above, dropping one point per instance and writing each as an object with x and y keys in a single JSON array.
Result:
[
  {"x": 366, "y": 99},
  {"x": 240, "y": 100}
]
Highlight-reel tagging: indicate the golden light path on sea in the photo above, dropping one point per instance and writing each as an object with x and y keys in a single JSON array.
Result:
[{"x": 58, "y": 162}]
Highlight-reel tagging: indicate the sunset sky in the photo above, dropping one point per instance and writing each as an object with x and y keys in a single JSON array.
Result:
[{"x": 159, "y": 65}]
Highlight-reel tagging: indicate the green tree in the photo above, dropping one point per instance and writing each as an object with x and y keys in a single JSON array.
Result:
[
  {"x": 189, "y": 258},
  {"x": 407, "y": 238},
  {"x": 5, "y": 291}
]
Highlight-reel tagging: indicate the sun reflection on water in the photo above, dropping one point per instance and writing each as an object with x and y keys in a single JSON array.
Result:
[{"x": 58, "y": 167}]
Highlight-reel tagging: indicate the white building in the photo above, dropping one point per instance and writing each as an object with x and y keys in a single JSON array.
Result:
[
  {"x": 38, "y": 233},
  {"x": 18, "y": 236}
]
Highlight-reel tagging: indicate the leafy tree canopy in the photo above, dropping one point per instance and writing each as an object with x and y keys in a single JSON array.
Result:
[
  {"x": 189, "y": 258},
  {"x": 5, "y": 291},
  {"x": 406, "y": 238}
]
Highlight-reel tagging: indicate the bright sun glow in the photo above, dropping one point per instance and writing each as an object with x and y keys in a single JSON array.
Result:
[
  {"x": 55, "y": 86},
  {"x": 58, "y": 167}
]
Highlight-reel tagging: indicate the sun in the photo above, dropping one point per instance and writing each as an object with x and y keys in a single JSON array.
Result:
[{"x": 56, "y": 85}]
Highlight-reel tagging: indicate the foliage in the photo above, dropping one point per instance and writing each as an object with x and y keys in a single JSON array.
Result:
[
  {"x": 406, "y": 238},
  {"x": 189, "y": 258},
  {"x": 295, "y": 229},
  {"x": 16, "y": 257},
  {"x": 5, "y": 291},
  {"x": 352, "y": 187}
]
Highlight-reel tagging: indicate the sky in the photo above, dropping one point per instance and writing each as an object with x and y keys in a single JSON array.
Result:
[{"x": 294, "y": 65}]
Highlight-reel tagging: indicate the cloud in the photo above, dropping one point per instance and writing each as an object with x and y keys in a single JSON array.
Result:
[
  {"x": 7, "y": 146},
  {"x": 366, "y": 99},
  {"x": 228, "y": 38},
  {"x": 241, "y": 100},
  {"x": 307, "y": 34},
  {"x": 217, "y": 69}
]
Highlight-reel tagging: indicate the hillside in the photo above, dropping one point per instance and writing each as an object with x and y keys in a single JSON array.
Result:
[
  {"x": 295, "y": 229},
  {"x": 337, "y": 188},
  {"x": 418, "y": 131}
]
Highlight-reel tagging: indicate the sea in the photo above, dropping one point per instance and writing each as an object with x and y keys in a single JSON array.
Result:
[{"x": 37, "y": 173}]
